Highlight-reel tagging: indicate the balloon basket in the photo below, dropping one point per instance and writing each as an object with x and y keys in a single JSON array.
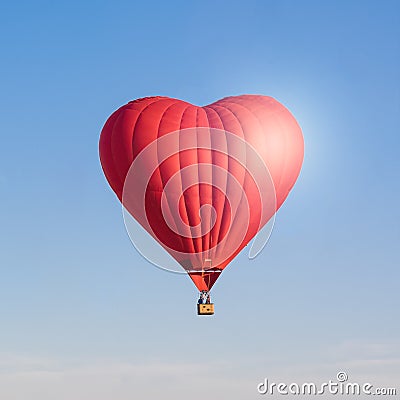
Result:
[{"x": 205, "y": 309}]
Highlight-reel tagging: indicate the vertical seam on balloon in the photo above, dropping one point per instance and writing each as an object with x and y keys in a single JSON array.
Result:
[
  {"x": 158, "y": 129},
  {"x": 124, "y": 138},
  {"x": 113, "y": 156},
  {"x": 301, "y": 161},
  {"x": 105, "y": 153},
  {"x": 209, "y": 246},
  {"x": 285, "y": 160},
  {"x": 153, "y": 101},
  {"x": 158, "y": 136},
  {"x": 244, "y": 138},
  {"x": 259, "y": 122},
  {"x": 198, "y": 184},
  {"x": 223, "y": 125},
  {"x": 203, "y": 128},
  {"x": 226, "y": 183},
  {"x": 285, "y": 156},
  {"x": 180, "y": 165}
]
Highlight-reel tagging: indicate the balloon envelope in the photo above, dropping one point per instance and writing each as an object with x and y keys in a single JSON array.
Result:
[{"x": 202, "y": 180}]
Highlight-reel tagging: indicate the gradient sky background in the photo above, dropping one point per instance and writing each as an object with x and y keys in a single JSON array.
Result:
[{"x": 83, "y": 316}]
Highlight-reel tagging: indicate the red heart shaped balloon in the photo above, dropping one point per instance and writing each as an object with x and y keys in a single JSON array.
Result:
[{"x": 202, "y": 180}]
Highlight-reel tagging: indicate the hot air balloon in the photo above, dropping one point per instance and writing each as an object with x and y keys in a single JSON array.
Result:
[{"x": 202, "y": 181}]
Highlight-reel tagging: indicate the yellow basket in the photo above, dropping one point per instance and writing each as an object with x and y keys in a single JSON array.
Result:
[{"x": 205, "y": 309}]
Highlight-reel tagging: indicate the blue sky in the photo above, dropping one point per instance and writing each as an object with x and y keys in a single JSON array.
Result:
[{"x": 84, "y": 316}]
